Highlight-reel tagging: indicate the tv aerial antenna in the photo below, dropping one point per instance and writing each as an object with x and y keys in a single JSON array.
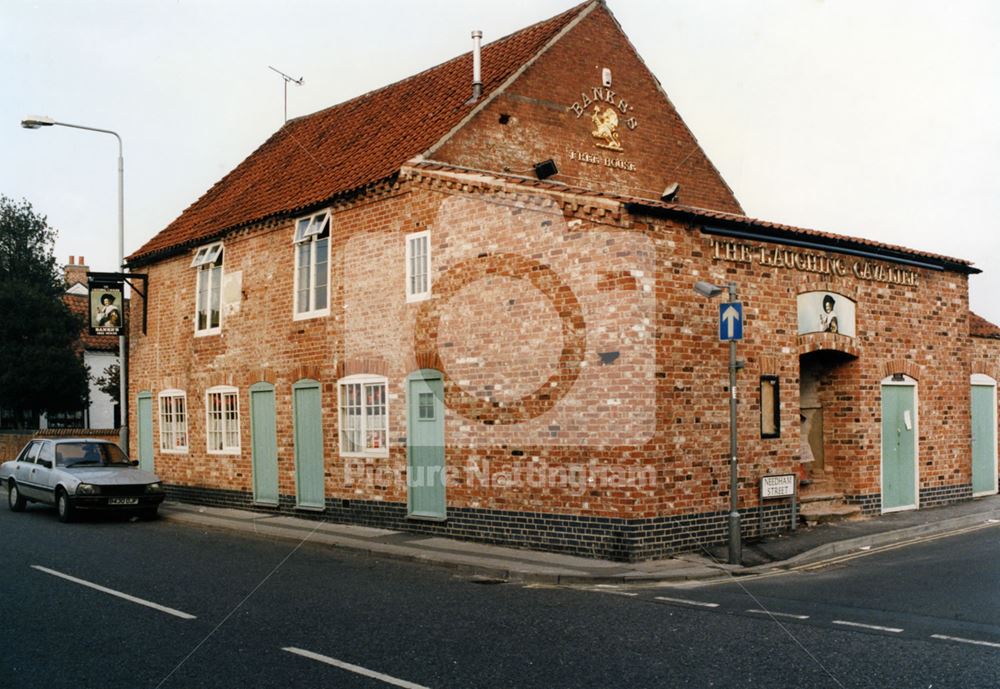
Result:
[{"x": 297, "y": 82}]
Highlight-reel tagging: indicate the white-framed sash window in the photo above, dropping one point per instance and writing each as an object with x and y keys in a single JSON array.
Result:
[
  {"x": 363, "y": 405},
  {"x": 222, "y": 420},
  {"x": 173, "y": 421},
  {"x": 312, "y": 266},
  {"x": 418, "y": 266},
  {"x": 208, "y": 294}
]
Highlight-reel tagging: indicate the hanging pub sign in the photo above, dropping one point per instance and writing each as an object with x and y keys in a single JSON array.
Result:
[{"x": 105, "y": 300}]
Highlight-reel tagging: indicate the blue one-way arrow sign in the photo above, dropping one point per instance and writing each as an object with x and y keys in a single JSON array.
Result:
[{"x": 731, "y": 321}]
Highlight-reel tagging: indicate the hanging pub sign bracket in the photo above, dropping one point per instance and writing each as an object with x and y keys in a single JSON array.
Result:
[{"x": 106, "y": 298}]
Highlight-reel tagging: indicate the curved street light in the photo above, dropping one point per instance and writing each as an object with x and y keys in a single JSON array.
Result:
[{"x": 37, "y": 122}]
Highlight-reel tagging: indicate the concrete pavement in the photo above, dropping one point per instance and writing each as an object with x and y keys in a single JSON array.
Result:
[{"x": 784, "y": 551}]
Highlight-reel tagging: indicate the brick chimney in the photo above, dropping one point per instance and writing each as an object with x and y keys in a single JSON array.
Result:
[{"x": 76, "y": 271}]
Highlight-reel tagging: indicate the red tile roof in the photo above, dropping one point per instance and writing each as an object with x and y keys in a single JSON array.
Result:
[
  {"x": 980, "y": 327},
  {"x": 706, "y": 216},
  {"x": 315, "y": 158}
]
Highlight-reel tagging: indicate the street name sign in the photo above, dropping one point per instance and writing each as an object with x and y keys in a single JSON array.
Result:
[{"x": 777, "y": 486}]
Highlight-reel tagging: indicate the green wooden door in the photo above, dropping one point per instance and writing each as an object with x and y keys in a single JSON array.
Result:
[
  {"x": 263, "y": 444},
  {"x": 899, "y": 460},
  {"x": 425, "y": 445},
  {"x": 984, "y": 440},
  {"x": 145, "y": 415},
  {"x": 309, "y": 477}
]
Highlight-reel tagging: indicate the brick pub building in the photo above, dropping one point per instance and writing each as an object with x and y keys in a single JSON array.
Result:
[{"x": 468, "y": 310}]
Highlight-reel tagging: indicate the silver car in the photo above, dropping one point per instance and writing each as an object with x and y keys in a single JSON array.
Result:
[{"x": 79, "y": 474}]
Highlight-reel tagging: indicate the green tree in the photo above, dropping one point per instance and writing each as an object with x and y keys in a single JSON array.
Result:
[
  {"x": 40, "y": 364},
  {"x": 108, "y": 383}
]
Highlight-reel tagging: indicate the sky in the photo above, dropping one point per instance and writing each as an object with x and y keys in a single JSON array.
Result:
[{"x": 872, "y": 119}]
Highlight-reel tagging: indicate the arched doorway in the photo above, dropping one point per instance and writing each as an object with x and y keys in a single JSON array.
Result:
[{"x": 828, "y": 390}]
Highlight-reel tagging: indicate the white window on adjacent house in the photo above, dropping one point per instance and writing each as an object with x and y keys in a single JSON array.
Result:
[
  {"x": 418, "y": 266},
  {"x": 208, "y": 308},
  {"x": 173, "y": 421},
  {"x": 222, "y": 420},
  {"x": 364, "y": 416},
  {"x": 312, "y": 266}
]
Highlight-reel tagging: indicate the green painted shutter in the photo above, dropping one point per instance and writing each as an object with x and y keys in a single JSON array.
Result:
[
  {"x": 899, "y": 465},
  {"x": 264, "y": 444},
  {"x": 308, "y": 417},
  {"x": 145, "y": 414},
  {"x": 984, "y": 440},
  {"x": 425, "y": 445}
]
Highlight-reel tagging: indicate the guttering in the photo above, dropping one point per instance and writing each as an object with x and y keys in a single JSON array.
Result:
[
  {"x": 873, "y": 253},
  {"x": 844, "y": 245}
]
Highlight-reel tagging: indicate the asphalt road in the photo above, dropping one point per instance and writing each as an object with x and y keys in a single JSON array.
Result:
[{"x": 242, "y": 611}]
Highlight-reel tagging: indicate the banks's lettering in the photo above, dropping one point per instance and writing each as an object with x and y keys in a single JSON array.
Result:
[{"x": 599, "y": 94}]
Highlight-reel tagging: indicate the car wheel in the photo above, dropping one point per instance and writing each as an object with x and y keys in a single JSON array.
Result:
[
  {"x": 15, "y": 500},
  {"x": 64, "y": 507}
]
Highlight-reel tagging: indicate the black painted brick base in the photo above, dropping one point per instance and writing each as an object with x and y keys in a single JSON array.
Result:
[
  {"x": 945, "y": 494},
  {"x": 871, "y": 504},
  {"x": 626, "y": 540},
  {"x": 929, "y": 497}
]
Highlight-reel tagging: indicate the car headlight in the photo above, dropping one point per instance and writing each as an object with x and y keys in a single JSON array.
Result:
[
  {"x": 87, "y": 489},
  {"x": 154, "y": 487}
]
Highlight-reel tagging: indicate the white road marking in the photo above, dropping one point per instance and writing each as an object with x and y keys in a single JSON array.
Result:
[
  {"x": 685, "y": 601},
  {"x": 894, "y": 630},
  {"x": 965, "y": 641},
  {"x": 613, "y": 592},
  {"x": 119, "y": 594},
  {"x": 357, "y": 669},
  {"x": 779, "y": 614}
]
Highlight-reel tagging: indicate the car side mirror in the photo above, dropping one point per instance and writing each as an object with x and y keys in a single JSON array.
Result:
[{"x": 45, "y": 463}]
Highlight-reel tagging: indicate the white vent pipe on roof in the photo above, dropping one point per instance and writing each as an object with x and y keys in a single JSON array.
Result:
[{"x": 477, "y": 77}]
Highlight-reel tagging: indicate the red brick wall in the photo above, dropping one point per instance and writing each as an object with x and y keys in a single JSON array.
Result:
[
  {"x": 540, "y": 123},
  {"x": 533, "y": 294},
  {"x": 11, "y": 442},
  {"x": 900, "y": 329},
  {"x": 542, "y": 279}
]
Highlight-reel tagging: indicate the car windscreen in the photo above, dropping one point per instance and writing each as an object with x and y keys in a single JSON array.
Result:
[{"x": 92, "y": 454}]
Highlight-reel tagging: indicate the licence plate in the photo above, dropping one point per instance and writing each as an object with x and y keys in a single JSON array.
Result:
[{"x": 123, "y": 501}]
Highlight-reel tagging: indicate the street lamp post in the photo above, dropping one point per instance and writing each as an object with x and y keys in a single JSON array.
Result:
[
  {"x": 36, "y": 122},
  {"x": 707, "y": 289}
]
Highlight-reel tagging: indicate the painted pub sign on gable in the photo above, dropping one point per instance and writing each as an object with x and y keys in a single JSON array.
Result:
[{"x": 609, "y": 117}]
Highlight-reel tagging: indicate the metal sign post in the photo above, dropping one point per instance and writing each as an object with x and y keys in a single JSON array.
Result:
[{"x": 731, "y": 330}]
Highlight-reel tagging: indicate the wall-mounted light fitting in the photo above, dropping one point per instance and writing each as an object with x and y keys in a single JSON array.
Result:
[
  {"x": 670, "y": 192},
  {"x": 546, "y": 169}
]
